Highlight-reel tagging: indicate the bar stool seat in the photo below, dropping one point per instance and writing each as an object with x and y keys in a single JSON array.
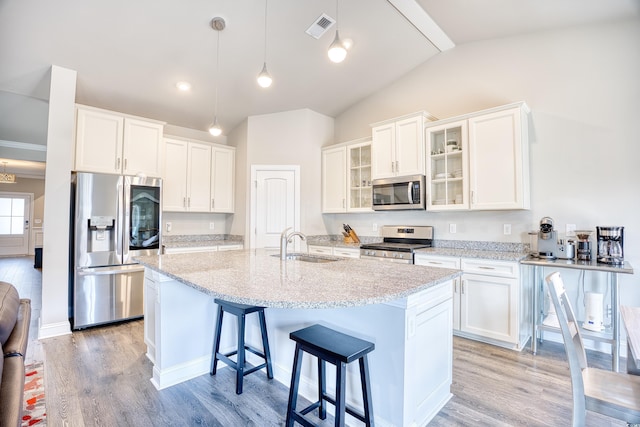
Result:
[
  {"x": 240, "y": 365},
  {"x": 338, "y": 349}
]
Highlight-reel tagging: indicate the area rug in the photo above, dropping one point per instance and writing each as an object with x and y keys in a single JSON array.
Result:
[{"x": 34, "y": 412}]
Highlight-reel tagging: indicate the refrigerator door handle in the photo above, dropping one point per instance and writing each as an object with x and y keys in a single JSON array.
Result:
[
  {"x": 102, "y": 271},
  {"x": 124, "y": 213}
]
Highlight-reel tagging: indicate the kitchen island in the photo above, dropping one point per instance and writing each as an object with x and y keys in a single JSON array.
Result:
[{"x": 405, "y": 310}]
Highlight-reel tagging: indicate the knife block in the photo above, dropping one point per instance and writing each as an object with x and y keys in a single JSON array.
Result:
[{"x": 352, "y": 238}]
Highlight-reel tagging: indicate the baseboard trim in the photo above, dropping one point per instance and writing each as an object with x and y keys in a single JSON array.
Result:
[
  {"x": 51, "y": 330},
  {"x": 179, "y": 373}
]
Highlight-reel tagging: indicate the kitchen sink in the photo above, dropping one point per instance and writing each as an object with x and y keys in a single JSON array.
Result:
[{"x": 309, "y": 258}]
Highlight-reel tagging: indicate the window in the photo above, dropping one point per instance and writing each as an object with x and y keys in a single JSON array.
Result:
[{"x": 12, "y": 216}]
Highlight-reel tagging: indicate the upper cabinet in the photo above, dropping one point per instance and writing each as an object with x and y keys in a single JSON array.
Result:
[
  {"x": 223, "y": 160},
  {"x": 398, "y": 146},
  {"x": 109, "y": 142},
  {"x": 346, "y": 177},
  {"x": 447, "y": 166},
  {"x": 479, "y": 161},
  {"x": 198, "y": 177},
  {"x": 499, "y": 159}
]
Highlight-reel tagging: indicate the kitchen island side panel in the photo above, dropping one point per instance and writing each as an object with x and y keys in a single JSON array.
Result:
[{"x": 410, "y": 368}]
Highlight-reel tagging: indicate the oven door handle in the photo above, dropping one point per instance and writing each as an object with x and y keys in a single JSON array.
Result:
[{"x": 409, "y": 192}]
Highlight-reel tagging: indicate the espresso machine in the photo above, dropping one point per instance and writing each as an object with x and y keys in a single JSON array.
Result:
[
  {"x": 547, "y": 239},
  {"x": 610, "y": 245}
]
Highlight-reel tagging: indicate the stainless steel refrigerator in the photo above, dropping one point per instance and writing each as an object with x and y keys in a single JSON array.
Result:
[{"x": 114, "y": 219}]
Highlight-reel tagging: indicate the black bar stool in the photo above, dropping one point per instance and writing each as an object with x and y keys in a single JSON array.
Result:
[
  {"x": 240, "y": 311},
  {"x": 338, "y": 349}
]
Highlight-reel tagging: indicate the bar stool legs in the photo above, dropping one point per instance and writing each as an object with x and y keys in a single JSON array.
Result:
[
  {"x": 240, "y": 311},
  {"x": 338, "y": 349}
]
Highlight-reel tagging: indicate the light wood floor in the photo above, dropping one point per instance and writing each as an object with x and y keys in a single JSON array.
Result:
[{"x": 100, "y": 377}]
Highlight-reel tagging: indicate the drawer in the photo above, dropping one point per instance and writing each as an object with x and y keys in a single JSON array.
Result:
[
  {"x": 490, "y": 267},
  {"x": 190, "y": 249},
  {"x": 321, "y": 250},
  {"x": 437, "y": 261},
  {"x": 346, "y": 252}
]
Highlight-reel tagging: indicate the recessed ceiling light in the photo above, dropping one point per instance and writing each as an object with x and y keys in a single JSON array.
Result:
[{"x": 183, "y": 86}]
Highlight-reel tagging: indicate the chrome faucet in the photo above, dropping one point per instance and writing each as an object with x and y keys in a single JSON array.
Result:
[
  {"x": 285, "y": 239},
  {"x": 283, "y": 243}
]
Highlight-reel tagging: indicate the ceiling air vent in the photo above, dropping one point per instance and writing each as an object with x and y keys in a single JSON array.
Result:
[{"x": 320, "y": 26}]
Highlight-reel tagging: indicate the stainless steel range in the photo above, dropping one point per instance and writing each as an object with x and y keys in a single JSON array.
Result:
[{"x": 399, "y": 243}]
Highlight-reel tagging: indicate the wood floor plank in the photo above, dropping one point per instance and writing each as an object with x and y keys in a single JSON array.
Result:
[{"x": 101, "y": 377}]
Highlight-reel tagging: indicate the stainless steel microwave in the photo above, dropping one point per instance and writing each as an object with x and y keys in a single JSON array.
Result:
[{"x": 399, "y": 193}]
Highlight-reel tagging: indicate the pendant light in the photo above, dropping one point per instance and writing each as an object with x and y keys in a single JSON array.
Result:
[
  {"x": 217, "y": 24},
  {"x": 264, "y": 78},
  {"x": 337, "y": 51},
  {"x": 7, "y": 178}
]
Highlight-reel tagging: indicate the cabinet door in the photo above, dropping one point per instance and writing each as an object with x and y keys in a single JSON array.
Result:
[
  {"x": 409, "y": 147},
  {"x": 488, "y": 307},
  {"x": 359, "y": 177},
  {"x": 174, "y": 183},
  {"x": 199, "y": 177},
  {"x": 383, "y": 151},
  {"x": 222, "y": 179},
  {"x": 498, "y": 161},
  {"x": 447, "y": 166},
  {"x": 142, "y": 148},
  {"x": 334, "y": 180},
  {"x": 99, "y": 138}
]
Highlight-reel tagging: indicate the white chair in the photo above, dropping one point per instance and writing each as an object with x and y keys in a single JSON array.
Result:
[{"x": 610, "y": 393}]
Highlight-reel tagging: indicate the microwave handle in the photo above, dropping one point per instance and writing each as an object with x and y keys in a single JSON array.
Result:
[{"x": 409, "y": 192}]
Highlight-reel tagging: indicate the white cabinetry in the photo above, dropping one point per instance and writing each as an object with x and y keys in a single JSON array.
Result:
[
  {"x": 223, "y": 162},
  {"x": 447, "y": 166},
  {"x": 398, "y": 147},
  {"x": 187, "y": 176},
  {"x": 499, "y": 159},
  {"x": 334, "y": 180},
  {"x": 198, "y": 177},
  {"x": 490, "y": 301},
  {"x": 335, "y": 251},
  {"x": 479, "y": 161},
  {"x": 346, "y": 177},
  {"x": 109, "y": 142},
  {"x": 194, "y": 249}
]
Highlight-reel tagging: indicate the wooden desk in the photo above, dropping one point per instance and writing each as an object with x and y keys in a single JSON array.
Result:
[{"x": 631, "y": 320}]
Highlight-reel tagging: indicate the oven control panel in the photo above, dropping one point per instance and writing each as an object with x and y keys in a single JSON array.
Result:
[{"x": 404, "y": 256}]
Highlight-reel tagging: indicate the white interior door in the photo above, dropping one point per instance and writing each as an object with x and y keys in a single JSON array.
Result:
[
  {"x": 15, "y": 216},
  {"x": 276, "y": 203}
]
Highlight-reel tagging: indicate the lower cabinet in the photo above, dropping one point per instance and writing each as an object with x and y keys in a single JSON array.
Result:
[
  {"x": 215, "y": 248},
  {"x": 490, "y": 301},
  {"x": 335, "y": 251}
]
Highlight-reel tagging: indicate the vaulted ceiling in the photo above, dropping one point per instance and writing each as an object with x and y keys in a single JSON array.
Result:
[{"x": 129, "y": 55}]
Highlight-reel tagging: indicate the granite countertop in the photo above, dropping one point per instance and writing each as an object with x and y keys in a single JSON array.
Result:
[
  {"x": 204, "y": 240},
  {"x": 257, "y": 277},
  {"x": 475, "y": 253}
]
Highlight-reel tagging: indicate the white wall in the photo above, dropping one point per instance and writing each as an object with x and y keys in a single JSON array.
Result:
[
  {"x": 287, "y": 138},
  {"x": 583, "y": 88},
  {"x": 54, "y": 318}
]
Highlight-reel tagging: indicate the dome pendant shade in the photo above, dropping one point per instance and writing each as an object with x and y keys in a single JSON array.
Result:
[
  {"x": 264, "y": 78},
  {"x": 215, "y": 128},
  {"x": 337, "y": 52}
]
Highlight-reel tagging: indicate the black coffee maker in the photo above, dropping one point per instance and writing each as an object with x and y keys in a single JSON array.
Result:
[{"x": 610, "y": 245}]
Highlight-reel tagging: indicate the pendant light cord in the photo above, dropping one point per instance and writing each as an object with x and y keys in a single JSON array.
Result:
[
  {"x": 265, "y": 30},
  {"x": 217, "y": 72}
]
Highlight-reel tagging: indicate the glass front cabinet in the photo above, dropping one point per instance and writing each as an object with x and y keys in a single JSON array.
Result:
[
  {"x": 359, "y": 170},
  {"x": 447, "y": 166}
]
